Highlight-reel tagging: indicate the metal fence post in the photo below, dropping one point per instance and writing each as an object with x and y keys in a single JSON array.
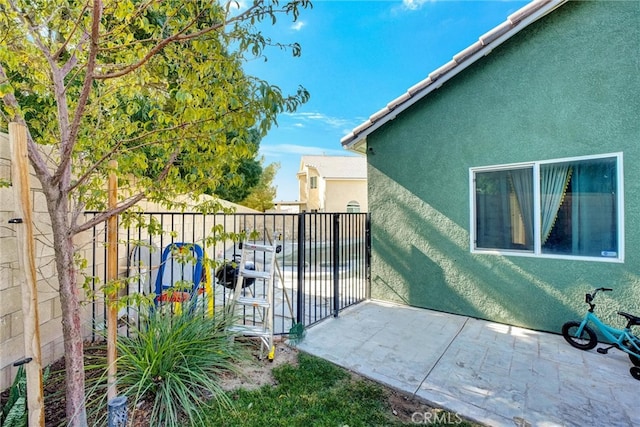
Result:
[
  {"x": 336, "y": 264},
  {"x": 301, "y": 241},
  {"x": 117, "y": 415},
  {"x": 333, "y": 262},
  {"x": 368, "y": 256}
]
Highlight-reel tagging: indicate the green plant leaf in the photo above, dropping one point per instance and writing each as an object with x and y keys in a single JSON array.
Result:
[
  {"x": 17, "y": 414},
  {"x": 5, "y": 89},
  {"x": 175, "y": 360}
]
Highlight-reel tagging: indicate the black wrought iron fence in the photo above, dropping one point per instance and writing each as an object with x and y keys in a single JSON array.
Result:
[{"x": 323, "y": 266}]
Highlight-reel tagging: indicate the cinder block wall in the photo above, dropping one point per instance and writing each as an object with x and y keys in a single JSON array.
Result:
[{"x": 12, "y": 278}]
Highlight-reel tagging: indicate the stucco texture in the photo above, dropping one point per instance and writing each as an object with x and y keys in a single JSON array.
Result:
[{"x": 568, "y": 85}]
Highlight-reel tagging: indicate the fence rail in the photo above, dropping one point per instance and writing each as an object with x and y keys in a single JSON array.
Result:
[{"x": 324, "y": 263}]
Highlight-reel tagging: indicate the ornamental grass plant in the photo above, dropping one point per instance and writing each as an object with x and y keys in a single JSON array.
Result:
[{"x": 172, "y": 365}]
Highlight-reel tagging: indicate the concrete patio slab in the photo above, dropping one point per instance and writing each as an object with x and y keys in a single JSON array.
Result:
[{"x": 495, "y": 374}]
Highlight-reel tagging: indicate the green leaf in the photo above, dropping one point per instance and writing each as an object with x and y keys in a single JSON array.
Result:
[
  {"x": 5, "y": 89},
  {"x": 168, "y": 98}
]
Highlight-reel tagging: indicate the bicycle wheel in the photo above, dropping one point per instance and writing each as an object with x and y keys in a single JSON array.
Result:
[
  {"x": 586, "y": 341},
  {"x": 634, "y": 359}
]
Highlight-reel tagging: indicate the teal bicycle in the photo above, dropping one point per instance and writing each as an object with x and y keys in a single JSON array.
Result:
[{"x": 580, "y": 335}]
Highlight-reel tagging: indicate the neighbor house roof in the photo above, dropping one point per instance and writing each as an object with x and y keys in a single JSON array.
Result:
[
  {"x": 356, "y": 139},
  {"x": 337, "y": 167}
]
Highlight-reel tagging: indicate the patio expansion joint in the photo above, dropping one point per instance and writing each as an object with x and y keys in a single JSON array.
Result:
[{"x": 415, "y": 392}]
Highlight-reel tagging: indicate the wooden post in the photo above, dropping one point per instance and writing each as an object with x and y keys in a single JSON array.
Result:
[
  {"x": 26, "y": 257},
  {"x": 112, "y": 275}
]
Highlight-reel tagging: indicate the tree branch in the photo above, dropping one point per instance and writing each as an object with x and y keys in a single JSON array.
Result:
[
  {"x": 68, "y": 143},
  {"x": 126, "y": 205},
  {"x": 139, "y": 11},
  {"x": 33, "y": 31},
  {"x": 178, "y": 37},
  {"x": 76, "y": 25},
  {"x": 111, "y": 152},
  {"x": 10, "y": 101},
  {"x": 57, "y": 77},
  {"x": 99, "y": 219}
]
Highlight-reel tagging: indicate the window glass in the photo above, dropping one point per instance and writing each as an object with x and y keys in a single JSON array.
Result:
[
  {"x": 313, "y": 182},
  {"x": 561, "y": 208},
  {"x": 582, "y": 218},
  {"x": 504, "y": 209},
  {"x": 353, "y": 207}
]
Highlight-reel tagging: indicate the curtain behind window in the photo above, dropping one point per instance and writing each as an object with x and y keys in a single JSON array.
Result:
[
  {"x": 522, "y": 180},
  {"x": 554, "y": 179}
]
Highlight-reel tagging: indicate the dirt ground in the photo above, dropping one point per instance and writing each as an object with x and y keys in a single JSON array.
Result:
[
  {"x": 257, "y": 373},
  {"x": 254, "y": 374}
]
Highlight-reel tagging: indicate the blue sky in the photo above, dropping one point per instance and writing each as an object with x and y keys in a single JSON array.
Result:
[{"x": 356, "y": 57}]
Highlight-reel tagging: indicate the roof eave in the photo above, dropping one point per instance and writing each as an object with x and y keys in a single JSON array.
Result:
[{"x": 356, "y": 140}]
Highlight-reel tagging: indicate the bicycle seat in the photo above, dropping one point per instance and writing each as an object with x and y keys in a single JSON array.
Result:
[{"x": 633, "y": 320}]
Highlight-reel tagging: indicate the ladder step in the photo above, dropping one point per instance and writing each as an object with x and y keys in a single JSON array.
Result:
[
  {"x": 263, "y": 331},
  {"x": 251, "y": 331},
  {"x": 256, "y": 247},
  {"x": 253, "y": 274},
  {"x": 254, "y": 302}
]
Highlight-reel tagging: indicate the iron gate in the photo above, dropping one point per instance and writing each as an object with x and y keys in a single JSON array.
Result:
[{"x": 324, "y": 262}]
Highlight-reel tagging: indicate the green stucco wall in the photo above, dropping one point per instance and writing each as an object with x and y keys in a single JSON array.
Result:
[{"x": 567, "y": 85}]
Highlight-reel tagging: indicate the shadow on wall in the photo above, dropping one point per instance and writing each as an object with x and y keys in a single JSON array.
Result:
[
  {"x": 428, "y": 289},
  {"x": 422, "y": 258}
]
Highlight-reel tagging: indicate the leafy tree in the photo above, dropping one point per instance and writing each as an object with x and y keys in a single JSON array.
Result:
[
  {"x": 158, "y": 86},
  {"x": 238, "y": 178},
  {"x": 237, "y": 184},
  {"x": 263, "y": 194}
]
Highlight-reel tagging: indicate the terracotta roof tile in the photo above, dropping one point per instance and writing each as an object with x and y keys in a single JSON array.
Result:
[
  {"x": 526, "y": 11},
  {"x": 420, "y": 85},
  {"x": 470, "y": 51},
  {"x": 399, "y": 100},
  {"x": 435, "y": 75},
  {"x": 379, "y": 114},
  {"x": 514, "y": 23},
  {"x": 492, "y": 35},
  {"x": 362, "y": 127}
]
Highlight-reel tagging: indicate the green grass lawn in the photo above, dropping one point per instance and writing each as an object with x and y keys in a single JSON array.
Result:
[{"x": 318, "y": 393}]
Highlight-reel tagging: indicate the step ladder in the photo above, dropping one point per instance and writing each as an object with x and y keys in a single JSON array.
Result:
[{"x": 242, "y": 298}]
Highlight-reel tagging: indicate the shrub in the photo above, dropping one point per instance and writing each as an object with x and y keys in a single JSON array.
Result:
[{"x": 174, "y": 361}]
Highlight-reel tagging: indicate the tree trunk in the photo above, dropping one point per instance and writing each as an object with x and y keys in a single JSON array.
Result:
[{"x": 70, "y": 304}]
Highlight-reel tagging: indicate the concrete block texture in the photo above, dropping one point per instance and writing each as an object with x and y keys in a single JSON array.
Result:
[
  {"x": 12, "y": 276},
  {"x": 11, "y": 301}
]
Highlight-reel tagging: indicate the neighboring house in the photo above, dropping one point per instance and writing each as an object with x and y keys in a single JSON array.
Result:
[
  {"x": 506, "y": 184},
  {"x": 333, "y": 184}
]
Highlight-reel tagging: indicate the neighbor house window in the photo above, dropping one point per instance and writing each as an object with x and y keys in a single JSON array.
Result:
[
  {"x": 353, "y": 207},
  {"x": 556, "y": 208},
  {"x": 313, "y": 182}
]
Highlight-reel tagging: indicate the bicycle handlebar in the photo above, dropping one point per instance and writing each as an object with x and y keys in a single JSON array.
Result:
[{"x": 589, "y": 297}]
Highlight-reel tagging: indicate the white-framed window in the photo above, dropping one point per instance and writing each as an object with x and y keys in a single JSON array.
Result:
[
  {"x": 313, "y": 182},
  {"x": 562, "y": 208},
  {"x": 353, "y": 207}
]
